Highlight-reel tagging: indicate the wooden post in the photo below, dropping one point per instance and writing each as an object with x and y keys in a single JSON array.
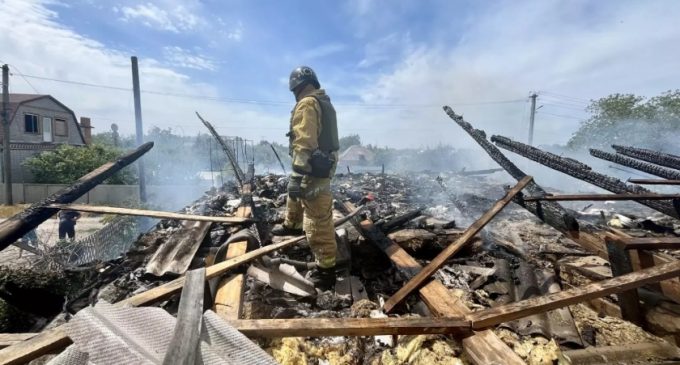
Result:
[
  {"x": 417, "y": 281},
  {"x": 18, "y": 225},
  {"x": 629, "y": 301},
  {"x": 6, "y": 135}
]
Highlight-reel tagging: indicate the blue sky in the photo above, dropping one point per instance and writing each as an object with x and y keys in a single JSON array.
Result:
[{"x": 389, "y": 66}]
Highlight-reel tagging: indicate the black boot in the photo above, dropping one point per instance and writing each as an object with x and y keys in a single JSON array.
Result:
[
  {"x": 281, "y": 230},
  {"x": 323, "y": 279}
]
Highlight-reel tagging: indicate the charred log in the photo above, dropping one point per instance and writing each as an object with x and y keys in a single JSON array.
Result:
[
  {"x": 551, "y": 213},
  {"x": 655, "y": 157},
  {"x": 637, "y": 164},
  {"x": 582, "y": 172}
]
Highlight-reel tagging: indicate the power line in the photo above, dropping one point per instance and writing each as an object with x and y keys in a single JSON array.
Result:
[
  {"x": 265, "y": 102},
  {"x": 562, "y": 116},
  {"x": 567, "y": 97}
]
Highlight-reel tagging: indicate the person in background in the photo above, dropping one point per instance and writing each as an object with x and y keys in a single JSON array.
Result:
[{"x": 67, "y": 223}]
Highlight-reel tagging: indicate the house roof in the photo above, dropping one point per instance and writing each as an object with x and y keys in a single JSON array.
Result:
[
  {"x": 356, "y": 152},
  {"x": 16, "y": 100}
]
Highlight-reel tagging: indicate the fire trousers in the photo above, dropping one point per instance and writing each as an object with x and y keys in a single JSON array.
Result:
[{"x": 314, "y": 214}]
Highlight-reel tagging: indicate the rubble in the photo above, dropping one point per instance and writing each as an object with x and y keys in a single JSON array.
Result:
[{"x": 406, "y": 222}]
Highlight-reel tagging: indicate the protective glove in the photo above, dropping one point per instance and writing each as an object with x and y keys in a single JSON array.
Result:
[{"x": 295, "y": 187}]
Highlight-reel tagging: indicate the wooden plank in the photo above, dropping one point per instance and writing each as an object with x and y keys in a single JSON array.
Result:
[
  {"x": 484, "y": 347},
  {"x": 509, "y": 312},
  {"x": 629, "y": 301},
  {"x": 47, "y": 342},
  {"x": 621, "y": 353},
  {"x": 320, "y": 327},
  {"x": 652, "y": 243},
  {"x": 183, "y": 348},
  {"x": 23, "y": 222},
  {"x": 229, "y": 296},
  {"x": 149, "y": 213},
  {"x": 9, "y": 339},
  {"x": 419, "y": 279},
  {"x": 654, "y": 181},
  {"x": 603, "y": 197}
]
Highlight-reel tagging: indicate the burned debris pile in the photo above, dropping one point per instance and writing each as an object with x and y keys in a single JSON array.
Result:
[{"x": 433, "y": 268}]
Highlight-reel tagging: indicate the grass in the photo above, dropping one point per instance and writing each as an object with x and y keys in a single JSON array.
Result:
[{"x": 7, "y": 211}]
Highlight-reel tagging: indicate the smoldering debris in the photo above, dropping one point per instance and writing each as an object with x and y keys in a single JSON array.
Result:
[{"x": 422, "y": 214}]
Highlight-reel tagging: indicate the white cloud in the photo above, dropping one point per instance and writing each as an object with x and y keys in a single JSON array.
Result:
[
  {"x": 39, "y": 43},
  {"x": 176, "y": 19},
  {"x": 180, "y": 57},
  {"x": 510, "y": 50}
]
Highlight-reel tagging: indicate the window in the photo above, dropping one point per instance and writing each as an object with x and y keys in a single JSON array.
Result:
[
  {"x": 60, "y": 128},
  {"x": 31, "y": 123}
]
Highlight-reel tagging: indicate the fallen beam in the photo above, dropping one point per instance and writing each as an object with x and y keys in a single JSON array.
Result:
[
  {"x": 603, "y": 197},
  {"x": 509, "y": 312},
  {"x": 9, "y": 339},
  {"x": 21, "y": 223},
  {"x": 184, "y": 345},
  {"x": 321, "y": 327},
  {"x": 56, "y": 339},
  {"x": 483, "y": 347},
  {"x": 654, "y": 181},
  {"x": 620, "y": 353},
  {"x": 583, "y": 172},
  {"x": 417, "y": 281},
  {"x": 229, "y": 294},
  {"x": 651, "y": 243},
  {"x": 149, "y": 213},
  {"x": 636, "y": 164},
  {"x": 549, "y": 212},
  {"x": 655, "y": 157}
]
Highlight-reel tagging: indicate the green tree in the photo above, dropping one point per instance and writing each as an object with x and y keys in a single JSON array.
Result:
[
  {"x": 351, "y": 140},
  {"x": 630, "y": 119},
  {"x": 68, "y": 163}
]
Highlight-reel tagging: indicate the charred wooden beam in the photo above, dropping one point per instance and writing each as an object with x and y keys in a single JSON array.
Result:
[
  {"x": 238, "y": 173},
  {"x": 551, "y": 213},
  {"x": 318, "y": 327},
  {"x": 184, "y": 346},
  {"x": 582, "y": 172},
  {"x": 21, "y": 223},
  {"x": 655, "y": 157},
  {"x": 419, "y": 279},
  {"x": 602, "y": 197},
  {"x": 654, "y": 182},
  {"x": 636, "y": 164},
  {"x": 399, "y": 220}
]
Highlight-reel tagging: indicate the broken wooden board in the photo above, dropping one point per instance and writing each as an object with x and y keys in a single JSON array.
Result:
[
  {"x": 285, "y": 278},
  {"x": 651, "y": 243},
  {"x": 319, "y": 327},
  {"x": 23, "y": 222},
  {"x": 56, "y": 339},
  {"x": 184, "y": 346},
  {"x": 484, "y": 347},
  {"x": 419, "y": 279},
  {"x": 229, "y": 295},
  {"x": 620, "y": 353},
  {"x": 603, "y": 197},
  {"x": 9, "y": 339},
  {"x": 509, "y": 312},
  {"x": 174, "y": 255},
  {"x": 150, "y": 213}
]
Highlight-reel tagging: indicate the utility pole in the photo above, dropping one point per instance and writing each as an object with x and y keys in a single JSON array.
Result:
[
  {"x": 140, "y": 130},
  {"x": 531, "y": 118},
  {"x": 6, "y": 157}
]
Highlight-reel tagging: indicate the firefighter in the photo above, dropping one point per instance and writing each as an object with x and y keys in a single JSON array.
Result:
[{"x": 314, "y": 150}]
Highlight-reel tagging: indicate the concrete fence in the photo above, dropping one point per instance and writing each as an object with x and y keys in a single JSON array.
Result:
[{"x": 163, "y": 196}]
